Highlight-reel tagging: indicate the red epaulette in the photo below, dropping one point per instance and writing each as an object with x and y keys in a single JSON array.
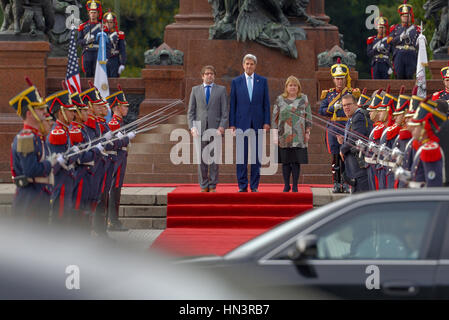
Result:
[
  {"x": 75, "y": 136},
  {"x": 393, "y": 131},
  {"x": 392, "y": 28},
  {"x": 81, "y": 26},
  {"x": 405, "y": 134},
  {"x": 91, "y": 123},
  {"x": 418, "y": 28},
  {"x": 436, "y": 95},
  {"x": 416, "y": 144},
  {"x": 58, "y": 136},
  {"x": 377, "y": 134},
  {"x": 370, "y": 39},
  {"x": 121, "y": 35},
  {"x": 431, "y": 152},
  {"x": 114, "y": 125}
]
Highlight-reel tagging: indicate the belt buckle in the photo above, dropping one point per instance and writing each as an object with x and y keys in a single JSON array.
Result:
[{"x": 406, "y": 47}]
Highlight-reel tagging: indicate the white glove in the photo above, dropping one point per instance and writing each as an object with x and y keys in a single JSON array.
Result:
[
  {"x": 120, "y": 69},
  {"x": 90, "y": 39},
  {"x": 74, "y": 149},
  {"x": 131, "y": 135},
  {"x": 390, "y": 71},
  {"x": 108, "y": 135},
  {"x": 119, "y": 135},
  {"x": 99, "y": 147},
  {"x": 403, "y": 36},
  {"x": 60, "y": 159}
]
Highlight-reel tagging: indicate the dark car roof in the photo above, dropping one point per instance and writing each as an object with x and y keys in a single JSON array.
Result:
[{"x": 266, "y": 241}]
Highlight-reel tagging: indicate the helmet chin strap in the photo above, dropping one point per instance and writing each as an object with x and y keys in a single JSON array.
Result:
[
  {"x": 65, "y": 116},
  {"x": 39, "y": 120}
]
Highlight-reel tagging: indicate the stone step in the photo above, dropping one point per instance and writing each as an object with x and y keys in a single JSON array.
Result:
[
  {"x": 143, "y": 211},
  {"x": 193, "y": 168},
  {"x": 150, "y": 148},
  {"x": 316, "y": 158},
  {"x": 223, "y": 178},
  {"x": 144, "y": 223}
]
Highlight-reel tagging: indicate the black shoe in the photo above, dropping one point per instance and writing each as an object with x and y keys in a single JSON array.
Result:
[
  {"x": 254, "y": 190},
  {"x": 243, "y": 190},
  {"x": 116, "y": 226},
  {"x": 337, "y": 188},
  {"x": 295, "y": 188},
  {"x": 286, "y": 188},
  {"x": 345, "y": 188}
]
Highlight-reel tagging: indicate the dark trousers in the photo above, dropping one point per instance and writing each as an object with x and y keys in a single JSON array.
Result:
[
  {"x": 405, "y": 64},
  {"x": 242, "y": 169},
  {"x": 380, "y": 70},
  {"x": 291, "y": 169},
  {"x": 112, "y": 66},
  {"x": 89, "y": 62},
  {"x": 361, "y": 184}
]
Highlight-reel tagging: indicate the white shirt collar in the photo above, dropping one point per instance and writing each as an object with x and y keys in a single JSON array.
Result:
[
  {"x": 211, "y": 85},
  {"x": 247, "y": 76}
]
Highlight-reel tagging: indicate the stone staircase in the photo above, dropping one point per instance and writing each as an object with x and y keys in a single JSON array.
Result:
[{"x": 149, "y": 159}]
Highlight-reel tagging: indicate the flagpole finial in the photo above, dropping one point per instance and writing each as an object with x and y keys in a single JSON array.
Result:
[{"x": 28, "y": 81}]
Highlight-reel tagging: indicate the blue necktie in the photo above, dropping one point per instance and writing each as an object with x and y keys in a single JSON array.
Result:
[
  {"x": 207, "y": 94},
  {"x": 250, "y": 88}
]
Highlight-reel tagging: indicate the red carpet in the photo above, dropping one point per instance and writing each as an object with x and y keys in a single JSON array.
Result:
[{"x": 215, "y": 223}]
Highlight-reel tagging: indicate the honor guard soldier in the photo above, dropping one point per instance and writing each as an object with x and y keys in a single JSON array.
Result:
[
  {"x": 104, "y": 181},
  {"x": 61, "y": 108},
  {"x": 79, "y": 136},
  {"x": 91, "y": 129},
  {"x": 427, "y": 167},
  {"x": 443, "y": 135},
  {"x": 405, "y": 136},
  {"x": 119, "y": 106},
  {"x": 443, "y": 94},
  {"x": 374, "y": 138},
  {"x": 379, "y": 50},
  {"x": 31, "y": 171},
  {"x": 87, "y": 37},
  {"x": 386, "y": 140},
  {"x": 331, "y": 107},
  {"x": 403, "y": 39},
  {"x": 116, "y": 49}
]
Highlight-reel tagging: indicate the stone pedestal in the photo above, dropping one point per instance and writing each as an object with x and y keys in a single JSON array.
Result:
[
  {"x": 163, "y": 85},
  {"x": 56, "y": 67},
  {"x": 271, "y": 64},
  {"x": 435, "y": 67},
  {"x": 195, "y": 18},
  {"x": 17, "y": 60}
]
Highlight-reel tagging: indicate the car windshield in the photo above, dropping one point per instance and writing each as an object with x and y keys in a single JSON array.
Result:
[{"x": 285, "y": 228}]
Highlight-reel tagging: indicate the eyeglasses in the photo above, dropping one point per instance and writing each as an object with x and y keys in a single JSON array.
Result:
[{"x": 208, "y": 73}]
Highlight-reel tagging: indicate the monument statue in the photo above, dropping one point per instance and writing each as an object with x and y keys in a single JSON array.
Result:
[
  {"x": 27, "y": 16},
  {"x": 164, "y": 56},
  {"x": 440, "y": 39},
  {"x": 67, "y": 13},
  {"x": 263, "y": 21}
]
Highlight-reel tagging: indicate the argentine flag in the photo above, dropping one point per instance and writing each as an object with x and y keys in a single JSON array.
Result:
[{"x": 101, "y": 77}]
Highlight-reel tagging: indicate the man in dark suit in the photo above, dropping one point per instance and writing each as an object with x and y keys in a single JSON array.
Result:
[
  {"x": 208, "y": 109},
  {"x": 355, "y": 172},
  {"x": 249, "y": 112}
]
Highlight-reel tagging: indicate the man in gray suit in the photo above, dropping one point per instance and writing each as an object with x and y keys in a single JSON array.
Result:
[{"x": 208, "y": 109}]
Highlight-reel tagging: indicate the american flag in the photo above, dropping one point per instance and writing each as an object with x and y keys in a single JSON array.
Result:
[{"x": 72, "y": 77}]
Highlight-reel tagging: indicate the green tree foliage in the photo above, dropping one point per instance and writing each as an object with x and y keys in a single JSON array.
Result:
[
  {"x": 349, "y": 16},
  {"x": 143, "y": 22}
]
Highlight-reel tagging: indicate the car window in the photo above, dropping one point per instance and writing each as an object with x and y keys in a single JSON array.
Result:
[
  {"x": 386, "y": 231},
  {"x": 396, "y": 230}
]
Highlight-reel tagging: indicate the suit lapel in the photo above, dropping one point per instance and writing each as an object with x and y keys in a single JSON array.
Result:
[{"x": 202, "y": 94}]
